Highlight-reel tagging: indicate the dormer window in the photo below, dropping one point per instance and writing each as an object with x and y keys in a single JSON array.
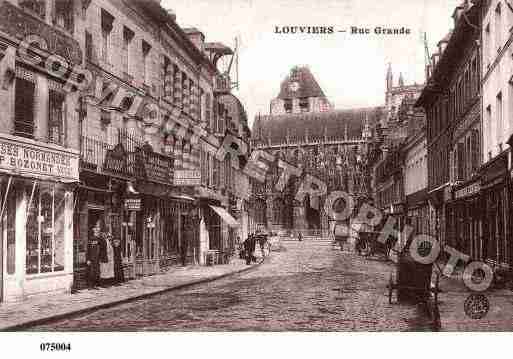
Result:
[
  {"x": 303, "y": 104},
  {"x": 288, "y": 105}
]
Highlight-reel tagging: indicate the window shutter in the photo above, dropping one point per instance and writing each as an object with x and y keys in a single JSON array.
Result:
[{"x": 24, "y": 108}]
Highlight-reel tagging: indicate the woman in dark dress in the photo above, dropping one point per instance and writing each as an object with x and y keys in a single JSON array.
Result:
[{"x": 119, "y": 277}]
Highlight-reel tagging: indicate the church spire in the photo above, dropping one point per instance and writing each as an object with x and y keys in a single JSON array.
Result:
[
  {"x": 401, "y": 80},
  {"x": 390, "y": 77}
]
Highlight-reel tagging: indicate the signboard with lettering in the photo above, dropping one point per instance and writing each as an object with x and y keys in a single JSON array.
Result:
[
  {"x": 21, "y": 157},
  {"x": 187, "y": 178},
  {"x": 468, "y": 190},
  {"x": 133, "y": 204}
]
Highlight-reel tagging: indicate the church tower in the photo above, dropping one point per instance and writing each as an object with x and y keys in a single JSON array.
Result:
[
  {"x": 390, "y": 77},
  {"x": 300, "y": 93}
]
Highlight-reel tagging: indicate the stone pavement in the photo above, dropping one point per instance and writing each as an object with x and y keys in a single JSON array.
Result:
[
  {"x": 39, "y": 310},
  {"x": 452, "y": 312}
]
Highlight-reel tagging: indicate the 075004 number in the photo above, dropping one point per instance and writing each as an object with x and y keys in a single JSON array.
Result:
[{"x": 52, "y": 347}]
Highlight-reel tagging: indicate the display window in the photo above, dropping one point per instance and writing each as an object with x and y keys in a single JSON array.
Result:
[
  {"x": 45, "y": 228},
  {"x": 8, "y": 208}
]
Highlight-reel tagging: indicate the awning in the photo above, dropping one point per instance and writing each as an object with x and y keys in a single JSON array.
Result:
[
  {"x": 181, "y": 196},
  {"x": 227, "y": 217}
]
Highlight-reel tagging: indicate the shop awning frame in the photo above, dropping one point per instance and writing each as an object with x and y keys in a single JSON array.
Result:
[{"x": 225, "y": 216}]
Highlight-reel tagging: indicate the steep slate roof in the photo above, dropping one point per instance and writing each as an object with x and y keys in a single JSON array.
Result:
[
  {"x": 308, "y": 86},
  {"x": 316, "y": 124}
]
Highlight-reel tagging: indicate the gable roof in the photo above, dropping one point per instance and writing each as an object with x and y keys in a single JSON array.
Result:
[
  {"x": 308, "y": 85},
  {"x": 315, "y": 125}
]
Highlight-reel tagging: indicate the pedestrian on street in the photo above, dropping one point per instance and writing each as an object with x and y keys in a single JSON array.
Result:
[
  {"x": 93, "y": 255},
  {"x": 262, "y": 240},
  {"x": 249, "y": 248},
  {"x": 106, "y": 260},
  {"x": 300, "y": 237},
  {"x": 119, "y": 276}
]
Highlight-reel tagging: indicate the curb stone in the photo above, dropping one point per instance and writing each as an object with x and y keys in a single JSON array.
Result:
[{"x": 72, "y": 313}]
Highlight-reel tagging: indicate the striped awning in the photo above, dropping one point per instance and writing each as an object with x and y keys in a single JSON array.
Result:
[{"x": 225, "y": 216}]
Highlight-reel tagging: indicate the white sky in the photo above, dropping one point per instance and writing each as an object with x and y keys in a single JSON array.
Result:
[{"x": 350, "y": 68}]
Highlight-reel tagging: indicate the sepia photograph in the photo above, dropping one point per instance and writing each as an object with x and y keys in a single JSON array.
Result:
[{"x": 257, "y": 168}]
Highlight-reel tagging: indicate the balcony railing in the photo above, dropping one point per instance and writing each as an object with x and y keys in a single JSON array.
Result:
[{"x": 128, "y": 158}]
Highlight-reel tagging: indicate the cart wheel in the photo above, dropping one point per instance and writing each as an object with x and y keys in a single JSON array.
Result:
[{"x": 390, "y": 289}]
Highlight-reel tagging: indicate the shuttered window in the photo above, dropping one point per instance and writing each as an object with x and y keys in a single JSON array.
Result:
[
  {"x": 56, "y": 118},
  {"x": 24, "y": 108}
]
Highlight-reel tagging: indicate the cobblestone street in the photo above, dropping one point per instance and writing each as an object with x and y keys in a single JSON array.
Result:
[{"x": 307, "y": 286}]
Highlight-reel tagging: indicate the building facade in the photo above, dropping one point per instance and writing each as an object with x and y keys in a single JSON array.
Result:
[
  {"x": 39, "y": 137},
  {"x": 452, "y": 101},
  {"x": 497, "y": 127},
  {"x": 391, "y": 159},
  {"x": 117, "y": 147}
]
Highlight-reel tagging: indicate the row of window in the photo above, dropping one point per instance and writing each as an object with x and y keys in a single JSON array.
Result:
[
  {"x": 177, "y": 87},
  {"x": 438, "y": 170},
  {"x": 304, "y": 105},
  {"x": 463, "y": 92},
  {"x": 215, "y": 173},
  {"x": 495, "y": 33},
  {"x": 465, "y": 158},
  {"x": 495, "y": 124},
  {"x": 62, "y": 14}
]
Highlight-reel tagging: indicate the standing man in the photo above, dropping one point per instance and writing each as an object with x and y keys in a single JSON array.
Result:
[
  {"x": 94, "y": 243},
  {"x": 249, "y": 248}
]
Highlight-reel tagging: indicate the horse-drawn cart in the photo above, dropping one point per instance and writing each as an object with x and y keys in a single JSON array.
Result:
[{"x": 413, "y": 284}]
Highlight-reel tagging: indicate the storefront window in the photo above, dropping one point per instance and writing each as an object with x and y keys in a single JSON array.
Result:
[
  {"x": 45, "y": 228},
  {"x": 8, "y": 196}
]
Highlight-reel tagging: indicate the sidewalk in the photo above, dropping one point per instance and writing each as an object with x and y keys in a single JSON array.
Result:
[
  {"x": 16, "y": 316},
  {"x": 452, "y": 313}
]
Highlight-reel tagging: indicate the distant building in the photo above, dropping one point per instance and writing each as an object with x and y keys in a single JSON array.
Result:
[{"x": 333, "y": 145}]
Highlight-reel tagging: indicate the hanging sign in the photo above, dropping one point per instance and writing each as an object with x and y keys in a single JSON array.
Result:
[
  {"x": 133, "y": 204},
  {"x": 187, "y": 178}
]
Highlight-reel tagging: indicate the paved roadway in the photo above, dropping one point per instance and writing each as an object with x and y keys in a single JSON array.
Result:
[{"x": 307, "y": 286}]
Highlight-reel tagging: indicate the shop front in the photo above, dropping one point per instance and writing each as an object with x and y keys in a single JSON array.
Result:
[
  {"x": 37, "y": 181},
  {"x": 417, "y": 212},
  {"x": 464, "y": 219},
  {"x": 495, "y": 188},
  {"x": 217, "y": 228},
  {"x": 437, "y": 199}
]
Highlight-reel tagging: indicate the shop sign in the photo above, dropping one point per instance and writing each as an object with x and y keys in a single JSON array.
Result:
[
  {"x": 156, "y": 166},
  {"x": 187, "y": 178},
  {"x": 17, "y": 156},
  {"x": 133, "y": 204},
  {"x": 468, "y": 191}
]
